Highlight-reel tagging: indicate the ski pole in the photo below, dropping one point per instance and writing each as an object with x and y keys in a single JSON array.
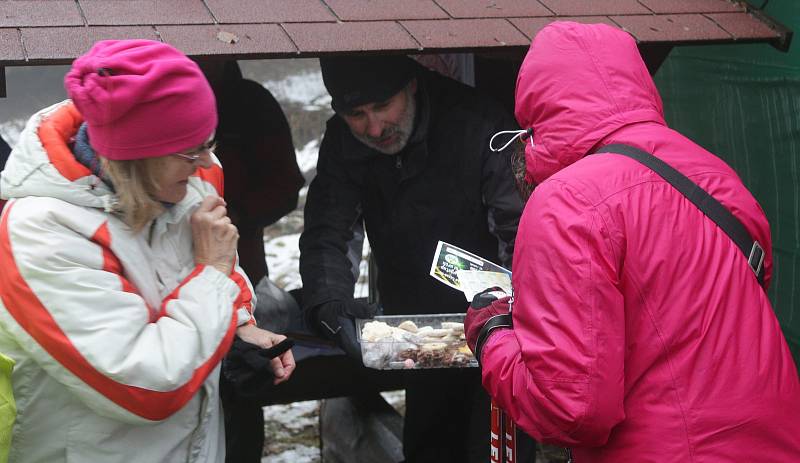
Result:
[
  {"x": 503, "y": 437},
  {"x": 510, "y": 439},
  {"x": 496, "y": 434},
  {"x": 509, "y": 428}
]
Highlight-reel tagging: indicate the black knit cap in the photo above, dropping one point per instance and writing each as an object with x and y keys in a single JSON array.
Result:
[{"x": 356, "y": 80}]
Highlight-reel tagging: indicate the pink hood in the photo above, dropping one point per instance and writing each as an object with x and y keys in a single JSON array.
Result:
[{"x": 574, "y": 93}]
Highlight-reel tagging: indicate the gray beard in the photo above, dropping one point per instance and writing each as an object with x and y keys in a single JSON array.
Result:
[{"x": 404, "y": 128}]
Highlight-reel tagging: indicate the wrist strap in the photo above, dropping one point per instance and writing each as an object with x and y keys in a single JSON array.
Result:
[{"x": 498, "y": 321}]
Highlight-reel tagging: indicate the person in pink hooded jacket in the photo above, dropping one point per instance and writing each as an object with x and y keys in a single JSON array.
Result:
[{"x": 640, "y": 333}]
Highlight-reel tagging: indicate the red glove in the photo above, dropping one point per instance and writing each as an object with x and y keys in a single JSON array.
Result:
[{"x": 489, "y": 310}]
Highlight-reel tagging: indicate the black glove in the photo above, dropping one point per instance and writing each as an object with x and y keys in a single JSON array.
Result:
[
  {"x": 336, "y": 321},
  {"x": 247, "y": 366},
  {"x": 490, "y": 310}
]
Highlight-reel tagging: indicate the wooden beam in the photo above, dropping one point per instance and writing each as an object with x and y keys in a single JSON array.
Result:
[{"x": 785, "y": 34}]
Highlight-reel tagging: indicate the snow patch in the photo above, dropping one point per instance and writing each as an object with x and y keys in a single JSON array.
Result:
[
  {"x": 307, "y": 156},
  {"x": 294, "y": 416},
  {"x": 283, "y": 258},
  {"x": 299, "y": 454},
  {"x": 305, "y": 88}
]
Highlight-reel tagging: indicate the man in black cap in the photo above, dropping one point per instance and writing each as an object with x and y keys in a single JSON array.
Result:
[{"x": 407, "y": 154}]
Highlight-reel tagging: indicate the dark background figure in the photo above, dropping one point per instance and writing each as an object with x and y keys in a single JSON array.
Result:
[
  {"x": 254, "y": 145},
  {"x": 5, "y": 150},
  {"x": 408, "y": 156}
]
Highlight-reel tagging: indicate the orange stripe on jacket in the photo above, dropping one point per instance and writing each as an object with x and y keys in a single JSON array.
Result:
[
  {"x": 245, "y": 298},
  {"x": 174, "y": 294},
  {"x": 30, "y": 313},
  {"x": 54, "y": 132},
  {"x": 214, "y": 176},
  {"x": 112, "y": 264}
]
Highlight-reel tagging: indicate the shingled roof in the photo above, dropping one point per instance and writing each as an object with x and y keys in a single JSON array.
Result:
[{"x": 57, "y": 31}]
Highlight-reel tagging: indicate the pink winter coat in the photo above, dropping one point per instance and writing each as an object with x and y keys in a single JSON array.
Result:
[{"x": 640, "y": 332}]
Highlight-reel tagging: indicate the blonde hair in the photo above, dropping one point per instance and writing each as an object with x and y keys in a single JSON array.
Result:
[{"x": 135, "y": 185}]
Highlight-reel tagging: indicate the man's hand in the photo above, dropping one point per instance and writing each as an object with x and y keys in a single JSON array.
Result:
[
  {"x": 336, "y": 320},
  {"x": 283, "y": 364},
  {"x": 489, "y": 310}
]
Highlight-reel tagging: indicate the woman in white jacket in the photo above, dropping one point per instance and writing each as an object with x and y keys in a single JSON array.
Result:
[{"x": 119, "y": 289}]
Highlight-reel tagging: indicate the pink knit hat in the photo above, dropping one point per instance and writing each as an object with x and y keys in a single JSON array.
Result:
[{"x": 141, "y": 99}]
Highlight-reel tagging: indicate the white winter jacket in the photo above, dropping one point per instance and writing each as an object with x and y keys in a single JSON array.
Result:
[{"x": 117, "y": 336}]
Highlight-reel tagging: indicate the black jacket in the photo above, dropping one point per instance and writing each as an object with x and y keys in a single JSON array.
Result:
[{"x": 444, "y": 185}]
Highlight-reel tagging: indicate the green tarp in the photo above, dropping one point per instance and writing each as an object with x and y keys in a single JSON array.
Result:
[{"x": 742, "y": 102}]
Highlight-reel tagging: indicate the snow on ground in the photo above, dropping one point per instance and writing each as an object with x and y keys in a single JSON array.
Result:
[
  {"x": 298, "y": 454},
  {"x": 307, "y": 157},
  {"x": 294, "y": 416},
  {"x": 292, "y": 433},
  {"x": 292, "y": 430},
  {"x": 281, "y": 240},
  {"x": 305, "y": 88},
  {"x": 283, "y": 256}
]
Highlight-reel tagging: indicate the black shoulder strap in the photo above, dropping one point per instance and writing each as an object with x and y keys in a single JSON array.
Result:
[{"x": 705, "y": 202}]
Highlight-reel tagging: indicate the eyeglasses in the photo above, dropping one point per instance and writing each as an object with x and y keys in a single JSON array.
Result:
[{"x": 195, "y": 154}]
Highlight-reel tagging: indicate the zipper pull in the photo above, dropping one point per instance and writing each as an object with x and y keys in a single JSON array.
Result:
[{"x": 398, "y": 161}]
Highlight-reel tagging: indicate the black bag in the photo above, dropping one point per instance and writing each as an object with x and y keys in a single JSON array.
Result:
[{"x": 275, "y": 307}]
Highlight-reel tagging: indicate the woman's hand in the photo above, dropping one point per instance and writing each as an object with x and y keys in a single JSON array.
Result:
[
  {"x": 282, "y": 365},
  {"x": 213, "y": 235}
]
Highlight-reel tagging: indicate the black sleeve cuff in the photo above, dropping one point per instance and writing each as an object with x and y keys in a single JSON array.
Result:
[{"x": 498, "y": 321}]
